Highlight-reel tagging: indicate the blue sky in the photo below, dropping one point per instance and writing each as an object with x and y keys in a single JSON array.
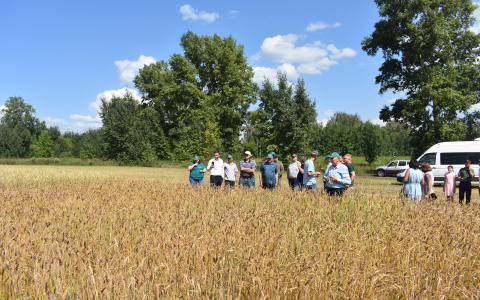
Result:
[{"x": 60, "y": 56}]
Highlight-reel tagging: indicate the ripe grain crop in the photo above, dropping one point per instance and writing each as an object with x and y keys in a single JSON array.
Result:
[{"x": 109, "y": 236}]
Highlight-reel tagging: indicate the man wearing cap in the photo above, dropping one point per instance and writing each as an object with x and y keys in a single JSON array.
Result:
[
  {"x": 281, "y": 169},
  {"x": 215, "y": 166},
  {"x": 247, "y": 170},
  {"x": 269, "y": 173},
  {"x": 309, "y": 175},
  {"x": 231, "y": 171},
  {"x": 292, "y": 173},
  {"x": 337, "y": 176}
]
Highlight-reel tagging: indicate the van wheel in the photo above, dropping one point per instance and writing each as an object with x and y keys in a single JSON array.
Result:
[{"x": 381, "y": 173}]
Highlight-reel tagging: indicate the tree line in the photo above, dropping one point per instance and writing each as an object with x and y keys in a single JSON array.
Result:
[
  {"x": 131, "y": 133},
  {"x": 205, "y": 99}
]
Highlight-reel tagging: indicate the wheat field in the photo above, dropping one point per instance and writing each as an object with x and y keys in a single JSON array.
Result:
[{"x": 144, "y": 233}]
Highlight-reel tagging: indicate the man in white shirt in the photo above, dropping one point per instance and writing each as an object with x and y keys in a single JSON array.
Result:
[
  {"x": 292, "y": 173},
  {"x": 231, "y": 171},
  {"x": 215, "y": 166}
]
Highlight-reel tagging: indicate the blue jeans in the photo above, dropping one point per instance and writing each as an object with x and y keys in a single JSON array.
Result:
[
  {"x": 244, "y": 181},
  {"x": 312, "y": 187},
  {"x": 196, "y": 180},
  {"x": 293, "y": 183}
]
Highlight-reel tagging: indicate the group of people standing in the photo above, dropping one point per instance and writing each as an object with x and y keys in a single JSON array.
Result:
[
  {"x": 418, "y": 182},
  {"x": 338, "y": 176}
]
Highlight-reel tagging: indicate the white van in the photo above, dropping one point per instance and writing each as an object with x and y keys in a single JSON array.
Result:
[{"x": 444, "y": 154}]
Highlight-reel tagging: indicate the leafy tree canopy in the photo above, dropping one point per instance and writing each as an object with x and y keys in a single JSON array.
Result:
[
  {"x": 429, "y": 55},
  {"x": 209, "y": 87}
]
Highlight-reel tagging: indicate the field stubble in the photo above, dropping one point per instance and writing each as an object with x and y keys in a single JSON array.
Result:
[{"x": 115, "y": 237}]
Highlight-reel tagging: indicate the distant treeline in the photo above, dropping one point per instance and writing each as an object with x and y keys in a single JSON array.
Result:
[
  {"x": 132, "y": 134},
  {"x": 201, "y": 101}
]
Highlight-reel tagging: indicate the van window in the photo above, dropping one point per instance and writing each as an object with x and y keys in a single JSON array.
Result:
[
  {"x": 402, "y": 163},
  {"x": 430, "y": 158},
  {"x": 458, "y": 158}
]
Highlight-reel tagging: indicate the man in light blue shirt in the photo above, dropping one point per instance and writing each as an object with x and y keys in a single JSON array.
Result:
[
  {"x": 328, "y": 162},
  {"x": 337, "y": 176},
  {"x": 309, "y": 175}
]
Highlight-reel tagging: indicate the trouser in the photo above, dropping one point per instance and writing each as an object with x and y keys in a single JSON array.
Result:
[
  {"x": 216, "y": 180},
  {"x": 270, "y": 186},
  {"x": 246, "y": 181},
  {"x": 464, "y": 188},
  {"x": 196, "y": 180},
  {"x": 293, "y": 183},
  {"x": 335, "y": 192},
  {"x": 229, "y": 183},
  {"x": 279, "y": 181},
  {"x": 312, "y": 187}
]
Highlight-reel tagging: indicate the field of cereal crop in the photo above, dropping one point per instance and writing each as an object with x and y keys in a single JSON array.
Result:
[{"x": 126, "y": 232}]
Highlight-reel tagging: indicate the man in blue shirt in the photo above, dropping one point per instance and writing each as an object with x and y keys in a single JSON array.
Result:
[
  {"x": 337, "y": 176},
  {"x": 309, "y": 175},
  {"x": 269, "y": 173},
  {"x": 328, "y": 162}
]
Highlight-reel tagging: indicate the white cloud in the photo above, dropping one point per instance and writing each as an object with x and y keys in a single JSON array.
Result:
[
  {"x": 281, "y": 48},
  {"x": 321, "y": 25},
  {"x": 129, "y": 69},
  {"x": 312, "y": 58},
  {"x": 271, "y": 73},
  {"x": 189, "y": 13},
  {"x": 83, "y": 126},
  {"x": 377, "y": 121},
  {"x": 391, "y": 101},
  {"x": 89, "y": 119},
  {"x": 476, "y": 27},
  {"x": 80, "y": 123},
  {"x": 323, "y": 122},
  {"x": 329, "y": 112},
  {"x": 55, "y": 122},
  {"x": 108, "y": 95},
  {"x": 316, "y": 67},
  {"x": 337, "y": 54},
  {"x": 475, "y": 107}
]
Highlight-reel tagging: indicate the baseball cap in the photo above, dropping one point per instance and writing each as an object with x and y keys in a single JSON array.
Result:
[
  {"x": 248, "y": 152},
  {"x": 327, "y": 157},
  {"x": 294, "y": 155},
  {"x": 335, "y": 154},
  {"x": 315, "y": 152},
  {"x": 229, "y": 156},
  {"x": 196, "y": 157},
  {"x": 270, "y": 155},
  {"x": 275, "y": 155}
]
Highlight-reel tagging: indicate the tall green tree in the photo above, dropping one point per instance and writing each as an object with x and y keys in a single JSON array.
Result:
[
  {"x": 429, "y": 55},
  {"x": 370, "y": 141},
  {"x": 285, "y": 117},
  {"x": 20, "y": 127},
  {"x": 131, "y": 132},
  {"x": 44, "y": 145},
  {"x": 208, "y": 89}
]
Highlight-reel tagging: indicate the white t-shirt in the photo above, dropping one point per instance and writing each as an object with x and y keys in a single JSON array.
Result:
[
  {"x": 230, "y": 170},
  {"x": 293, "y": 169}
]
